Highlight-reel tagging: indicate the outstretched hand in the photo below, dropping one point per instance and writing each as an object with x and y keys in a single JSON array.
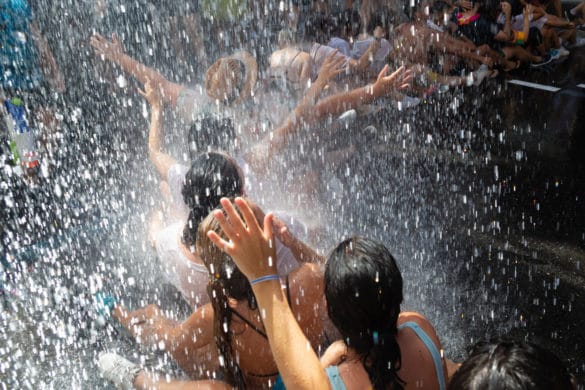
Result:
[
  {"x": 152, "y": 95},
  {"x": 333, "y": 65},
  {"x": 111, "y": 50},
  {"x": 251, "y": 247},
  {"x": 386, "y": 85}
]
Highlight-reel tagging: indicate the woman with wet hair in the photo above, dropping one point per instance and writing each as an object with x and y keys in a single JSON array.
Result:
[
  {"x": 226, "y": 337},
  {"x": 511, "y": 365},
  {"x": 238, "y": 327},
  {"x": 380, "y": 346}
]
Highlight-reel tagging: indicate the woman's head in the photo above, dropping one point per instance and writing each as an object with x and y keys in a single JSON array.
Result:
[
  {"x": 212, "y": 176},
  {"x": 211, "y": 132},
  {"x": 513, "y": 365},
  {"x": 363, "y": 288}
]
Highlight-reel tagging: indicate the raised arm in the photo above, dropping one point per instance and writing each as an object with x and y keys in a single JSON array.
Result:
[
  {"x": 253, "y": 251},
  {"x": 301, "y": 251},
  {"x": 332, "y": 66},
  {"x": 506, "y": 34},
  {"x": 114, "y": 51},
  {"x": 162, "y": 161},
  {"x": 307, "y": 114}
]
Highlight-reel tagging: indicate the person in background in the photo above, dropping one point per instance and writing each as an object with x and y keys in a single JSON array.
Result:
[
  {"x": 511, "y": 365},
  {"x": 28, "y": 72}
]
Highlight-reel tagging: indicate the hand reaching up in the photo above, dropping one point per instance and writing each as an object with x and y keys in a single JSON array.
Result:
[
  {"x": 110, "y": 50},
  {"x": 151, "y": 94},
  {"x": 333, "y": 65},
  {"x": 386, "y": 85},
  {"x": 251, "y": 247}
]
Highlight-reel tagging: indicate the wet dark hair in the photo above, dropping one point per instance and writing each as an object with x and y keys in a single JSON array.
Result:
[
  {"x": 439, "y": 6},
  {"x": 511, "y": 365},
  {"x": 318, "y": 27},
  {"x": 382, "y": 19},
  {"x": 210, "y": 132},
  {"x": 346, "y": 24},
  {"x": 363, "y": 288},
  {"x": 211, "y": 176},
  {"x": 225, "y": 281}
]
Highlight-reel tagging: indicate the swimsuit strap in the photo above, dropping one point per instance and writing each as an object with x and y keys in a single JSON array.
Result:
[
  {"x": 249, "y": 323},
  {"x": 432, "y": 349},
  {"x": 294, "y": 58},
  {"x": 253, "y": 326},
  {"x": 335, "y": 379},
  {"x": 317, "y": 51}
]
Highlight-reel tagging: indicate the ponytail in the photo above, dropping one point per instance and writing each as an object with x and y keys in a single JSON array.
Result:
[
  {"x": 383, "y": 360},
  {"x": 226, "y": 281},
  {"x": 222, "y": 334}
]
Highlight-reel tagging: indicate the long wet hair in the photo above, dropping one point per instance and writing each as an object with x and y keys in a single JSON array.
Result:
[
  {"x": 212, "y": 176},
  {"x": 363, "y": 288},
  {"x": 512, "y": 365},
  {"x": 225, "y": 281}
]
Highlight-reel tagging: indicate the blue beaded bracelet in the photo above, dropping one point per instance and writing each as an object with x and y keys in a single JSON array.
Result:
[{"x": 264, "y": 279}]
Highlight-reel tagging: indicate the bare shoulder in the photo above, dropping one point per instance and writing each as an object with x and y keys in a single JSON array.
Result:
[
  {"x": 307, "y": 273},
  {"x": 407, "y": 316},
  {"x": 306, "y": 284},
  {"x": 422, "y": 321}
]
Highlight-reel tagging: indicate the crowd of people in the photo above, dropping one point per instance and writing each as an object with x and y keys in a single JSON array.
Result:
[{"x": 269, "y": 311}]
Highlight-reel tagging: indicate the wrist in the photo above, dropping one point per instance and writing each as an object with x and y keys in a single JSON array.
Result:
[{"x": 264, "y": 279}]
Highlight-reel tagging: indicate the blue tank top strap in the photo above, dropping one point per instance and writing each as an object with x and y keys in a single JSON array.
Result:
[
  {"x": 432, "y": 349},
  {"x": 332, "y": 374},
  {"x": 334, "y": 378}
]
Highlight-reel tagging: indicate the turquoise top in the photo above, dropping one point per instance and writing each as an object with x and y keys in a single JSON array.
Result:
[
  {"x": 332, "y": 374},
  {"x": 432, "y": 349},
  {"x": 337, "y": 382}
]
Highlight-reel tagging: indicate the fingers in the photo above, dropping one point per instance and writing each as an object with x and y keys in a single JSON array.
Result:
[
  {"x": 143, "y": 93},
  {"x": 235, "y": 223},
  {"x": 268, "y": 219},
  {"x": 383, "y": 72},
  {"x": 96, "y": 42},
  {"x": 226, "y": 226},
  {"x": 339, "y": 64},
  {"x": 218, "y": 241},
  {"x": 398, "y": 71},
  {"x": 248, "y": 215},
  {"x": 331, "y": 57}
]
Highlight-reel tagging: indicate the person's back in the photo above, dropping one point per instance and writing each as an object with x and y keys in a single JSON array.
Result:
[
  {"x": 419, "y": 362},
  {"x": 293, "y": 64},
  {"x": 363, "y": 288}
]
